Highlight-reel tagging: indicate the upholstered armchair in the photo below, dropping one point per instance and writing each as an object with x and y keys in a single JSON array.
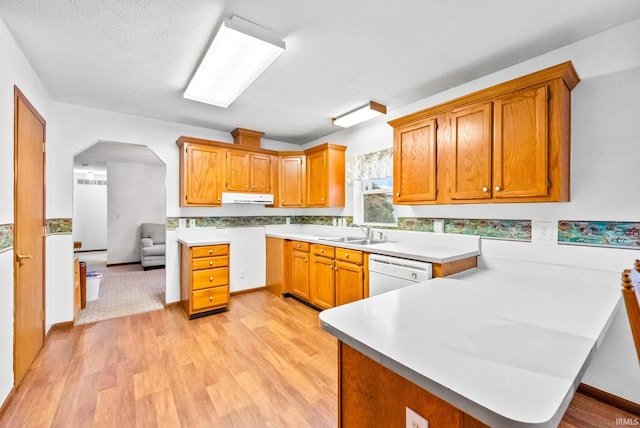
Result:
[{"x": 152, "y": 245}]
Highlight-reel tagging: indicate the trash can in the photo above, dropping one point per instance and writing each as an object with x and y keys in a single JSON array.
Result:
[{"x": 93, "y": 285}]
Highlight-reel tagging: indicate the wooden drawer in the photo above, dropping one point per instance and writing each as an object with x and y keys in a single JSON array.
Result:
[
  {"x": 300, "y": 246},
  {"x": 210, "y": 250},
  {"x": 352, "y": 256},
  {"x": 209, "y": 278},
  {"x": 323, "y": 250},
  {"x": 209, "y": 298},
  {"x": 209, "y": 262}
]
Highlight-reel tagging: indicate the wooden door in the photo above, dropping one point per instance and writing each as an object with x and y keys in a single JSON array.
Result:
[
  {"x": 323, "y": 290},
  {"x": 29, "y": 248},
  {"x": 300, "y": 274},
  {"x": 349, "y": 282},
  {"x": 471, "y": 160},
  {"x": 291, "y": 181},
  {"x": 202, "y": 176},
  {"x": 237, "y": 171},
  {"x": 414, "y": 163},
  {"x": 317, "y": 178},
  {"x": 521, "y": 145},
  {"x": 261, "y": 173}
]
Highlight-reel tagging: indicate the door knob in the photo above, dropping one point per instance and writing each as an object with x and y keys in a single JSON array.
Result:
[{"x": 20, "y": 256}]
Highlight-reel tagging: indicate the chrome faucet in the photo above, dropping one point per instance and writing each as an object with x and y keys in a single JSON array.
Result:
[{"x": 366, "y": 229}]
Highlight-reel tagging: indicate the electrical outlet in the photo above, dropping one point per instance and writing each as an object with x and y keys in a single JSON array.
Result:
[
  {"x": 438, "y": 226},
  {"x": 414, "y": 420},
  {"x": 543, "y": 231},
  {"x": 192, "y": 222}
]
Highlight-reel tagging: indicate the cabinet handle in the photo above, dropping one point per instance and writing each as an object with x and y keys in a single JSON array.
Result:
[
  {"x": 219, "y": 199},
  {"x": 247, "y": 186},
  {"x": 210, "y": 278},
  {"x": 211, "y": 298},
  {"x": 210, "y": 263},
  {"x": 335, "y": 268},
  {"x": 346, "y": 256},
  {"x": 498, "y": 188},
  {"x": 321, "y": 251},
  {"x": 283, "y": 201},
  {"x": 210, "y": 251},
  {"x": 253, "y": 187},
  {"x": 322, "y": 199},
  {"x": 305, "y": 260},
  {"x": 299, "y": 245},
  {"x": 397, "y": 194},
  {"x": 484, "y": 189}
]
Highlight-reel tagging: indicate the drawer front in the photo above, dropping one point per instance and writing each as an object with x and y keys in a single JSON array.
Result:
[
  {"x": 323, "y": 250},
  {"x": 209, "y": 298},
  {"x": 352, "y": 256},
  {"x": 300, "y": 246},
  {"x": 209, "y": 250},
  {"x": 209, "y": 262},
  {"x": 210, "y": 278}
]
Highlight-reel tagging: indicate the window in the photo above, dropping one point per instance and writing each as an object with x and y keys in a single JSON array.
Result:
[{"x": 377, "y": 202}]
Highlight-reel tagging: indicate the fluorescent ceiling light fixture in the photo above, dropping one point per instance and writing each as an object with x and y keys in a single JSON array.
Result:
[
  {"x": 238, "y": 54},
  {"x": 359, "y": 115}
]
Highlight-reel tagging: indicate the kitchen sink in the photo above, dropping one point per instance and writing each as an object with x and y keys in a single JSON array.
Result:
[
  {"x": 340, "y": 238},
  {"x": 368, "y": 241}
]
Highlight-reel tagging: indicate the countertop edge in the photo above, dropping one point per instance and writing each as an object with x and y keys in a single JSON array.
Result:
[
  {"x": 375, "y": 248},
  {"x": 198, "y": 243}
]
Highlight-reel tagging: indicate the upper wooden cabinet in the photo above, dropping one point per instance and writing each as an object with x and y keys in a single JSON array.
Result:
[
  {"x": 200, "y": 167},
  {"x": 291, "y": 179},
  {"x": 414, "y": 162},
  {"x": 507, "y": 143},
  {"x": 325, "y": 176},
  {"x": 249, "y": 172}
]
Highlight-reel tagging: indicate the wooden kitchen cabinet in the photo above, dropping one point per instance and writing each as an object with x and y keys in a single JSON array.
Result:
[
  {"x": 350, "y": 276},
  {"x": 299, "y": 270},
  {"x": 200, "y": 167},
  {"x": 506, "y": 143},
  {"x": 325, "y": 176},
  {"x": 204, "y": 279},
  {"x": 248, "y": 172},
  {"x": 291, "y": 180},
  {"x": 323, "y": 282},
  {"x": 275, "y": 276},
  {"x": 414, "y": 162}
]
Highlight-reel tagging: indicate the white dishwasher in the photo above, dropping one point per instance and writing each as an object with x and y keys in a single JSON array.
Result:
[{"x": 390, "y": 273}]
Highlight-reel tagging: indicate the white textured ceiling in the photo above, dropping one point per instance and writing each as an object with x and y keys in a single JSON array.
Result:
[{"x": 136, "y": 56}]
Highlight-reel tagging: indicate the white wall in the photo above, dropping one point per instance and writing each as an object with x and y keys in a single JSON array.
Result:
[
  {"x": 604, "y": 175},
  {"x": 90, "y": 214},
  {"x": 135, "y": 195}
]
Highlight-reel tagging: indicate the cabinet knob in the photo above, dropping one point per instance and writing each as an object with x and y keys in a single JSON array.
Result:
[
  {"x": 210, "y": 251},
  {"x": 397, "y": 194},
  {"x": 210, "y": 263},
  {"x": 247, "y": 186},
  {"x": 335, "y": 268},
  {"x": 321, "y": 251},
  {"x": 346, "y": 256},
  {"x": 498, "y": 188},
  {"x": 283, "y": 201},
  {"x": 211, "y": 298},
  {"x": 484, "y": 189},
  {"x": 253, "y": 187},
  {"x": 210, "y": 278},
  {"x": 299, "y": 245},
  {"x": 219, "y": 199},
  {"x": 305, "y": 260},
  {"x": 322, "y": 199}
]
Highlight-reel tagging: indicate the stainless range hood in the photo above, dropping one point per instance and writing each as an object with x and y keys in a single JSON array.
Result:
[{"x": 247, "y": 198}]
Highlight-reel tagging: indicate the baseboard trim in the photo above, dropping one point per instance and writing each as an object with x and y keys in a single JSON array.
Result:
[
  {"x": 60, "y": 326},
  {"x": 248, "y": 290},
  {"x": 123, "y": 264},
  {"x": 172, "y": 304},
  {"x": 610, "y": 399}
]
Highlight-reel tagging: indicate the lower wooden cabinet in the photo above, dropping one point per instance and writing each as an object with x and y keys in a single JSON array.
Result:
[
  {"x": 299, "y": 269},
  {"x": 323, "y": 283},
  {"x": 350, "y": 276},
  {"x": 204, "y": 279}
]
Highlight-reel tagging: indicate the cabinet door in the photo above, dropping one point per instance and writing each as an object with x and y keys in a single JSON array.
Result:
[
  {"x": 238, "y": 172},
  {"x": 291, "y": 181},
  {"x": 260, "y": 173},
  {"x": 520, "y": 157},
  {"x": 202, "y": 178},
  {"x": 323, "y": 290},
  {"x": 300, "y": 274},
  {"x": 414, "y": 163},
  {"x": 471, "y": 161},
  {"x": 317, "y": 178},
  {"x": 349, "y": 282}
]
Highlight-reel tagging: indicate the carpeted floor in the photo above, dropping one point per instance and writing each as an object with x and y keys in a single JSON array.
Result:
[{"x": 124, "y": 290}]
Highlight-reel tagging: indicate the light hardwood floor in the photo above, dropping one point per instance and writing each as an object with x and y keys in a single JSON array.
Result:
[{"x": 265, "y": 363}]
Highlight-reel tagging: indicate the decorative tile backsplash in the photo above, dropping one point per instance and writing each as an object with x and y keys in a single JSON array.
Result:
[
  {"x": 612, "y": 234},
  {"x": 6, "y": 236},
  {"x": 519, "y": 230}
]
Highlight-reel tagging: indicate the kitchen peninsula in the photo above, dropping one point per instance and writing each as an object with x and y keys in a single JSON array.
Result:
[{"x": 484, "y": 347}]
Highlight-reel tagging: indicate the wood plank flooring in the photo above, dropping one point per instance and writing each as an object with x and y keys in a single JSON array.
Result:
[{"x": 265, "y": 363}]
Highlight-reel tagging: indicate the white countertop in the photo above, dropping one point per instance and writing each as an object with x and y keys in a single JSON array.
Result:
[
  {"x": 507, "y": 349},
  {"x": 434, "y": 252},
  {"x": 201, "y": 242},
  {"x": 196, "y": 237}
]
